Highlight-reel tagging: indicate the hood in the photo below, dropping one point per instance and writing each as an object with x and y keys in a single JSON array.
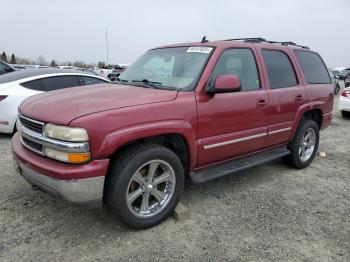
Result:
[{"x": 62, "y": 106}]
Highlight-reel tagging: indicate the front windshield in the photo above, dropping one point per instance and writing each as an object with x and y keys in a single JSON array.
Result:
[{"x": 170, "y": 68}]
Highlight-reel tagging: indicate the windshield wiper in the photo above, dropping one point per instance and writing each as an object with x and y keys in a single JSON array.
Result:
[
  {"x": 153, "y": 84},
  {"x": 122, "y": 80}
]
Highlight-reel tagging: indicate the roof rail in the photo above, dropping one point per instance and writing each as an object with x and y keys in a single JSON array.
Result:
[{"x": 260, "y": 39}]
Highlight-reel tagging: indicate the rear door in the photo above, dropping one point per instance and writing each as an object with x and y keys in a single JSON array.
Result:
[
  {"x": 285, "y": 94},
  {"x": 233, "y": 124}
]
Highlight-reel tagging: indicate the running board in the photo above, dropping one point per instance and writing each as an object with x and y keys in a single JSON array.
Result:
[{"x": 236, "y": 165}]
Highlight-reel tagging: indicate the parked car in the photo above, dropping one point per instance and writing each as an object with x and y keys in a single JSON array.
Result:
[
  {"x": 222, "y": 106},
  {"x": 338, "y": 83},
  {"x": 5, "y": 68},
  {"x": 346, "y": 73},
  {"x": 18, "y": 67},
  {"x": 17, "y": 86},
  {"x": 344, "y": 103}
]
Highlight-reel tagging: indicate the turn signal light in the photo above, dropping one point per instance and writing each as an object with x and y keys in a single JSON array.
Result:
[{"x": 78, "y": 157}]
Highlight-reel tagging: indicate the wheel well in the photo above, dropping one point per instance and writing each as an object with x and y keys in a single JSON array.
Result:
[
  {"x": 175, "y": 142},
  {"x": 315, "y": 115}
]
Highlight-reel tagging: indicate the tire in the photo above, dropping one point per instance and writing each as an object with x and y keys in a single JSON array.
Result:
[
  {"x": 127, "y": 178},
  {"x": 295, "y": 158},
  {"x": 345, "y": 114},
  {"x": 336, "y": 89}
]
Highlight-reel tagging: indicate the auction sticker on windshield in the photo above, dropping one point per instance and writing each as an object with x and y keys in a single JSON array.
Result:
[{"x": 199, "y": 49}]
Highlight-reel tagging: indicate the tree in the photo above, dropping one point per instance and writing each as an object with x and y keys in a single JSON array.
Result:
[
  {"x": 41, "y": 60},
  {"x": 79, "y": 64},
  {"x": 13, "y": 59},
  {"x": 53, "y": 63},
  {"x": 4, "y": 56},
  {"x": 101, "y": 64}
]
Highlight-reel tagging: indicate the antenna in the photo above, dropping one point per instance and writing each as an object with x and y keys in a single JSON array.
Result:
[{"x": 204, "y": 39}]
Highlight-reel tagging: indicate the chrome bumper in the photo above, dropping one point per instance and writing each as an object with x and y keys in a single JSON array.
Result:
[{"x": 88, "y": 191}]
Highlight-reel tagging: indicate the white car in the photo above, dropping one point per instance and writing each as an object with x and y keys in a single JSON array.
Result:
[
  {"x": 344, "y": 103},
  {"x": 16, "y": 86}
]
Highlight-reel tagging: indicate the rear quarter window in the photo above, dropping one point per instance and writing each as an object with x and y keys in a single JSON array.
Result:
[
  {"x": 314, "y": 69},
  {"x": 34, "y": 85}
]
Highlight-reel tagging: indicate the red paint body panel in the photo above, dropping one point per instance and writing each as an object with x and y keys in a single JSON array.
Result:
[
  {"x": 64, "y": 105},
  {"x": 216, "y": 127},
  {"x": 52, "y": 168}
]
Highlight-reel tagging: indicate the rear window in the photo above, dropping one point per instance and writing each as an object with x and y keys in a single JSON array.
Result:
[
  {"x": 279, "y": 69},
  {"x": 313, "y": 67}
]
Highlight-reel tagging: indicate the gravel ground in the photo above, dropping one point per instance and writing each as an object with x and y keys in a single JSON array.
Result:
[{"x": 271, "y": 212}]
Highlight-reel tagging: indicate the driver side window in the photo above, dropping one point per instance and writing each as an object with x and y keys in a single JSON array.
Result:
[{"x": 239, "y": 62}]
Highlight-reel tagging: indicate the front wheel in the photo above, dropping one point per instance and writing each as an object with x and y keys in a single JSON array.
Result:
[
  {"x": 304, "y": 146},
  {"x": 144, "y": 185}
]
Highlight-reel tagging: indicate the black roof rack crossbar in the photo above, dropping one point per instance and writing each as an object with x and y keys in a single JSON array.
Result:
[
  {"x": 260, "y": 39},
  {"x": 248, "y": 39}
]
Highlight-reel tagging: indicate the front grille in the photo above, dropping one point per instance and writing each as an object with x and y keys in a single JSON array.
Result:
[
  {"x": 32, "y": 145},
  {"x": 34, "y": 126}
]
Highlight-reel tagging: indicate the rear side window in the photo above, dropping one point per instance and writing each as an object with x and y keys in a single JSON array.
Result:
[
  {"x": 34, "y": 85},
  {"x": 86, "y": 80},
  {"x": 59, "y": 82},
  {"x": 279, "y": 69},
  {"x": 313, "y": 67}
]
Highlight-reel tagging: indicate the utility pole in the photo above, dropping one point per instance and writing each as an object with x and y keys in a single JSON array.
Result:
[{"x": 106, "y": 45}]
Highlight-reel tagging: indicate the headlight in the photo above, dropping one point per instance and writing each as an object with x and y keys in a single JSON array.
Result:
[
  {"x": 67, "y": 157},
  {"x": 64, "y": 133}
]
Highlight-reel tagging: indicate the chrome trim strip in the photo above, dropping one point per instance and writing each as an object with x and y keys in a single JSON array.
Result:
[
  {"x": 55, "y": 144},
  {"x": 234, "y": 141},
  {"x": 279, "y": 130}
]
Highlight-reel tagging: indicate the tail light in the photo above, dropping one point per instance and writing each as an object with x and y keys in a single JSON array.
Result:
[
  {"x": 345, "y": 93},
  {"x": 2, "y": 98}
]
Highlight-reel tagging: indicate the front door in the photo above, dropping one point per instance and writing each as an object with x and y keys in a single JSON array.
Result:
[{"x": 233, "y": 124}]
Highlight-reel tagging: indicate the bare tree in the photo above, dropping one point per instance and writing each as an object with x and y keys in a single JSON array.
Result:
[{"x": 41, "y": 60}]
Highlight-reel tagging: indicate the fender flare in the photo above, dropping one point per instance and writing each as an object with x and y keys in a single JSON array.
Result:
[
  {"x": 116, "y": 139},
  {"x": 301, "y": 111}
]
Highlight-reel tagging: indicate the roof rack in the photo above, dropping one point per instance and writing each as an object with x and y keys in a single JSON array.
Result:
[{"x": 260, "y": 39}]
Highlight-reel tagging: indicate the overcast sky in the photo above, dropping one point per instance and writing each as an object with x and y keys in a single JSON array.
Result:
[{"x": 75, "y": 29}]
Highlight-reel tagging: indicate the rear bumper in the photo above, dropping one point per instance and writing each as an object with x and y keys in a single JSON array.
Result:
[
  {"x": 77, "y": 184},
  {"x": 344, "y": 104}
]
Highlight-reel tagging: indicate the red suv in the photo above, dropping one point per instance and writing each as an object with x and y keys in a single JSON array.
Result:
[{"x": 203, "y": 110}]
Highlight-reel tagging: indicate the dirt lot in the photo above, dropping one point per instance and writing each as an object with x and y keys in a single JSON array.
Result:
[{"x": 271, "y": 212}]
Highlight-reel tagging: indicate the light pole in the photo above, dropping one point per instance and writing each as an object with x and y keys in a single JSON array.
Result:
[{"x": 107, "y": 45}]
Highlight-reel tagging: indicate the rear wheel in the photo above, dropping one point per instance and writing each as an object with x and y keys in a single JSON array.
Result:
[
  {"x": 345, "y": 114},
  {"x": 144, "y": 185},
  {"x": 304, "y": 146}
]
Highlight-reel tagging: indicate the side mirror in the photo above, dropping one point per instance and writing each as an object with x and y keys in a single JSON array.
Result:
[{"x": 224, "y": 84}]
